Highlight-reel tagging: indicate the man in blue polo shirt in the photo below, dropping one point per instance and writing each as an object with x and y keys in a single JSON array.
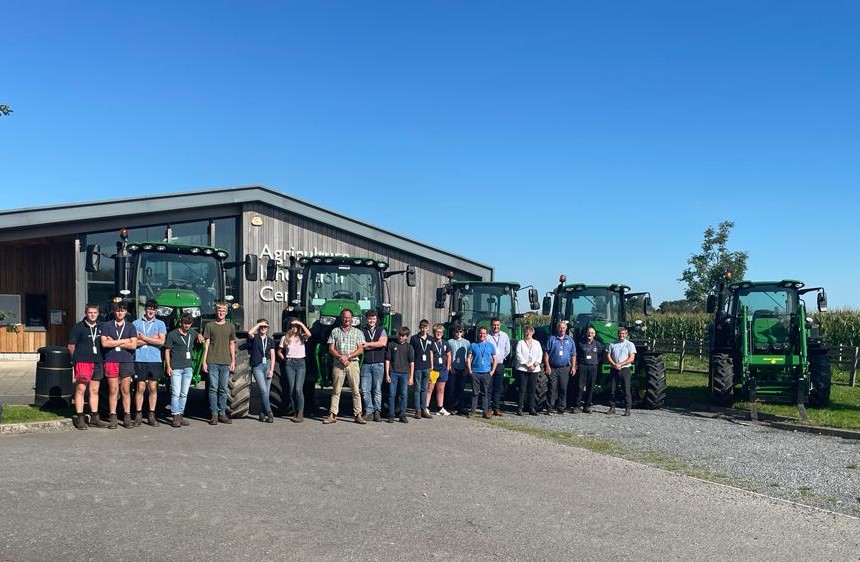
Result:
[
  {"x": 148, "y": 368},
  {"x": 560, "y": 364},
  {"x": 480, "y": 364}
]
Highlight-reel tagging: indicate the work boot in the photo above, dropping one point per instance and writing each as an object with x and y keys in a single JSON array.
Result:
[
  {"x": 151, "y": 420},
  {"x": 270, "y": 418},
  {"x": 359, "y": 420},
  {"x": 95, "y": 421},
  {"x": 113, "y": 422},
  {"x": 470, "y": 413},
  {"x": 138, "y": 419},
  {"x": 182, "y": 421},
  {"x": 177, "y": 420},
  {"x": 80, "y": 422},
  {"x": 213, "y": 420},
  {"x": 417, "y": 414},
  {"x": 404, "y": 419},
  {"x": 127, "y": 421},
  {"x": 499, "y": 412},
  {"x": 425, "y": 413},
  {"x": 586, "y": 409},
  {"x": 611, "y": 410},
  {"x": 330, "y": 419},
  {"x": 519, "y": 411},
  {"x": 577, "y": 410},
  {"x": 389, "y": 420},
  {"x": 487, "y": 414},
  {"x": 627, "y": 411},
  {"x": 298, "y": 418},
  {"x": 261, "y": 417},
  {"x": 224, "y": 418},
  {"x": 377, "y": 416}
]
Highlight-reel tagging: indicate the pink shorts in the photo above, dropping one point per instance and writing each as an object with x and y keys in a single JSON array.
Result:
[
  {"x": 114, "y": 369},
  {"x": 86, "y": 372}
]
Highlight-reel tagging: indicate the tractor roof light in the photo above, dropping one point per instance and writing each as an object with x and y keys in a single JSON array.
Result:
[
  {"x": 208, "y": 251},
  {"x": 328, "y": 260},
  {"x": 195, "y": 250},
  {"x": 221, "y": 254},
  {"x": 368, "y": 262},
  {"x": 317, "y": 260},
  {"x": 147, "y": 247},
  {"x": 161, "y": 247},
  {"x": 357, "y": 261},
  {"x": 381, "y": 265},
  {"x": 133, "y": 247}
]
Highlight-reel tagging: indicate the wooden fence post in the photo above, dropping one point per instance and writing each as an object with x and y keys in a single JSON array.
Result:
[
  {"x": 852, "y": 379},
  {"x": 683, "y": 354}
]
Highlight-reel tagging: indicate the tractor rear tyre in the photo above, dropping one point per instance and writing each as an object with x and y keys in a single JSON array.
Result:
[
  {"x": 819, "y": 377},
  {"x": 654, "y": 381},
  {"x": 239, "y": 387},
  {"x": 277, "y": 398},
  {"x": 722, "y": 378}
]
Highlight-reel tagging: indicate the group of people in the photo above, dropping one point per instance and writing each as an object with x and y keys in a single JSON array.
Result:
[{"x": 129, "y": 356}]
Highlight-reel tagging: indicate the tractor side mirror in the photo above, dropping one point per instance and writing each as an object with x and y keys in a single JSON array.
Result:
[
  {"x": 648, "y": 309},
  {"x": 410, "y": 276},
  {"x": 94, "y": 256},
  {"x": 271, "y": 270},
  {"x": 711, "y": 304},
  {"x": 547, "y": 305},
  {"x": 534, "y": 302},
  {"x": 440, "y": 298},
  {"x": 251, "y": 267},
  {"x": 822, "y": 302}
]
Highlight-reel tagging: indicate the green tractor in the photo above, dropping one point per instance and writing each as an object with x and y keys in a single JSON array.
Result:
[
  {"x": 329, "y": 285},
  {"x": 181, "y": 278},
  {"x": 761, "y": 342},
  {"x": 474, "y": 303},
  {"x": 606, "y": 308}
]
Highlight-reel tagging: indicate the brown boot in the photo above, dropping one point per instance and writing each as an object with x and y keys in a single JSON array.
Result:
[
  {"x": 127, "y": 421},
  {"x": 224, "y": 418},
  {"x": 298, "y": 418},
  {"x": 151, "y": 420},
  {"x": 138, "y": 419},
  {"x": 611, "y": 410},
  {"x": 213, "y": 420},
  {"x": 80, "y": 422},
  {"x": 330, "y": 419},
  {"x": 182, "y": 421},
  {"x": 627, "y": 411},
  {"x": 359, "y": 420},
  {"x": 113, "y": 422},
  {"x": 377, "y": 416},
  {"x": 177, "y": 420},
  {"x": 95, "y": 421}
]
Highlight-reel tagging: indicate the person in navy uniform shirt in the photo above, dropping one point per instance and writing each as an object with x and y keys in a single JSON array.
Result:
[{"x": 590, "y": 353}]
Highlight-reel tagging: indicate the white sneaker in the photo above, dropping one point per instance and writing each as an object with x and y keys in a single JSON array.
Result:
[{"x": 443, "y": 412}]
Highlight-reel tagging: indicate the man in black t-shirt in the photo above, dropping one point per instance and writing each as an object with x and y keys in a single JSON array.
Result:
[
  {"x": 119, "y": 340},
  {"x": 85, "y": 347}
]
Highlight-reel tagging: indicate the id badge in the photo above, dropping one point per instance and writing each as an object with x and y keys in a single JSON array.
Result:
[
  {"x": 117, "y": 348},
  {"x": 440, "y": 360},
  {"x": 188, "y": 355},
  {"x": 561, "y": 353},
  {"x": 588, "y": 356},
  {"x": 424, "y": 357},
  {"x": 95, "y": 351}
]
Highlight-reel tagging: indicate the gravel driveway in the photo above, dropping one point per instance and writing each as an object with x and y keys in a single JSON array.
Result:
[{"x": 815, "y": 470}]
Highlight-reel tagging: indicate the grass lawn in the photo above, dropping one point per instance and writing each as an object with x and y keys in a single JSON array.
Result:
[
  {"x": 20, "y": 414},
  {"x": 843, "y": 411}
]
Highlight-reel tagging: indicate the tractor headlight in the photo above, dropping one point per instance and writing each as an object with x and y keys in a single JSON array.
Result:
[
  {"x": 762, "y": 346},
  {"x": 164, "y": 311},
  {"x": 356, "y": 321},
  {"x": 194, "y": 311},
  {"x": 327, "y": 320},
  {"x": 780, "y": 346}
]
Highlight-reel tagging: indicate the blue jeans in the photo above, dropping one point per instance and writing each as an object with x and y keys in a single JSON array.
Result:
[
  {"x": 264, "y": 384},
  {"x": 422, "y": 379},
  {"x": 180, "y": 381},
  {"x": 398, "y": 387},
  {"x": 219, "y": 378},
  {"x": 295, "y": 371},
  {"x": 371, "y": 379}
]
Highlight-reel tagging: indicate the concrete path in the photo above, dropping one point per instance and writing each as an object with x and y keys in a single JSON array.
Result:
[
  {"x": 17, "y": 380},
  {"x": 445, "y": 489}
]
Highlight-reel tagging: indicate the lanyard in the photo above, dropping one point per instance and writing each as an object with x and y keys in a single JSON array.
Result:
[
  {"x": 496, "y": 339},
  {"x": 424, "y": 344},
  {"x": 187, "y": 343},
  {"x": 94, "y": 331},
  {"x": 147, "y": 327},
  {"x": 438, "y": 347},
  {"x": 118, "y": 330}
]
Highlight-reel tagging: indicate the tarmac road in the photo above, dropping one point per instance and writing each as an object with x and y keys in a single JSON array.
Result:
[{"x": 440, "y": 489}]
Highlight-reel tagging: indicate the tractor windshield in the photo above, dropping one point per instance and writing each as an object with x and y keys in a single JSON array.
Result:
[
  {"x": 325, "y": 282},
  {"x": 483, "y": 302},
  {"x": 773, "y": 300},
  {"x": 585, "y": 305},
  {"x": 159, "y": 274}
]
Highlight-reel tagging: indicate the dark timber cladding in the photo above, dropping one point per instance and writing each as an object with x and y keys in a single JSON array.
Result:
[{"x": 283, "y": 232}]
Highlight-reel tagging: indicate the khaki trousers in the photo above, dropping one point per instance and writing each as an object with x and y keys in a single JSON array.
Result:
[{"x": 351, "y": 373}]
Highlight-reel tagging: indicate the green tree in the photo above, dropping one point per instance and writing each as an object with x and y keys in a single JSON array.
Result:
[
  {"x": 706, "y": 269},
  {"x": 682, "y": 305},
  {"x": 5, "y": 109}
]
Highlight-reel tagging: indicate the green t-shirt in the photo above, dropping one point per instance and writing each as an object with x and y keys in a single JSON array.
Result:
[{"x": 219, "y": 337}]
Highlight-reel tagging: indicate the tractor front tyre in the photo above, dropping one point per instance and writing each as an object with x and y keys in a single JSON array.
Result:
[
  {"x": 239, "y": 387},
  {"x": 722, "y": 379},
  {"x": 819, "y": 377},
  {"x": 654, "y": 380}
]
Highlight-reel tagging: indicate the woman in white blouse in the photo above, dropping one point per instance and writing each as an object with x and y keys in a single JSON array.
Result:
[{"x": 529, "y": 355}]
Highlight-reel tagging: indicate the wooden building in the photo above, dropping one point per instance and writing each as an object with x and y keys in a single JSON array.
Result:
[{"x": 44, "y": 284}]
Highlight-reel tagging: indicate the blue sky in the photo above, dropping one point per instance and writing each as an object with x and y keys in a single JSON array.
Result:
[{"x": 593, "y": 139}]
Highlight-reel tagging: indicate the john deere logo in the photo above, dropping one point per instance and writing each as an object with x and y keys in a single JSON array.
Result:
[{"x": 775, "y": 360}]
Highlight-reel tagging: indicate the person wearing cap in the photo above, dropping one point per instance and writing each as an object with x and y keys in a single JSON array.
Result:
[
  {"x": 119, "y": 342},
  {"x": 179, "y": 365},
  {"x": 261, "y": 351},
  {"x": 148, "y": 368},
  {"x": 345, "y": 344}
]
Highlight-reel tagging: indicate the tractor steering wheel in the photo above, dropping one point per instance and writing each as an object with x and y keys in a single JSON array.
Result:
[{"x": 342, "y": 295}]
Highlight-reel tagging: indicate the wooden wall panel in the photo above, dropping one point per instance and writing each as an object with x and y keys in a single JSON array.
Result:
[{"x": 44, "y": 266}]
